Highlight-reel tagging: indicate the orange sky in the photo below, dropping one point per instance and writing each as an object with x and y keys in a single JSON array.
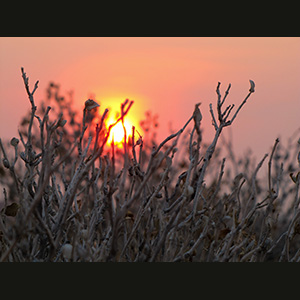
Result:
[{"x": 164, "y": 75}]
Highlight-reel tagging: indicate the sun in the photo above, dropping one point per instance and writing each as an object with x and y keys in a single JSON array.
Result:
[
  {"x": 117, "y": 132},
  {"x": 132, "y": 118}
]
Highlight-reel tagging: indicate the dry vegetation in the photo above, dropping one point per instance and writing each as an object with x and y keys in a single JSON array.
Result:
[{"x": 68, "y": 196}]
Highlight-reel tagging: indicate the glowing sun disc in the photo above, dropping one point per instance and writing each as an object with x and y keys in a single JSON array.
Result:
[{"x": 117, "y": 132}]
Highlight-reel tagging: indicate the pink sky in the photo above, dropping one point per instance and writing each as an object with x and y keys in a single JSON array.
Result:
[{"x": 164, "y": 75}]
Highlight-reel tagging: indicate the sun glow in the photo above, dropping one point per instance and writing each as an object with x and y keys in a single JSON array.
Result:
[
  {"x": 133, "y": 114},
  {"x": 117, "y": 132}
]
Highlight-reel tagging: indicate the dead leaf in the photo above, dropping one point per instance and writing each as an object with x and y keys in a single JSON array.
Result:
[
  {"x": 12, "y": 209},
  {"x": 252, "y": 86},
  {"x": 197, "y": 117},
  {"x": 90, "y": 104}
]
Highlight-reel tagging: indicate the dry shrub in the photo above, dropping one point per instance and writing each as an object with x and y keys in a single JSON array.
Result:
[{"x": 69, "y": 196}]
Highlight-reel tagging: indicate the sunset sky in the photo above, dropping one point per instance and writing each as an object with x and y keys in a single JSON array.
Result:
[{"x": 166, "y": 75}]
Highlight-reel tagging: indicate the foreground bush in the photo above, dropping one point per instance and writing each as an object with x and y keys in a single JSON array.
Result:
[{"x": 69, "y": 196}]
